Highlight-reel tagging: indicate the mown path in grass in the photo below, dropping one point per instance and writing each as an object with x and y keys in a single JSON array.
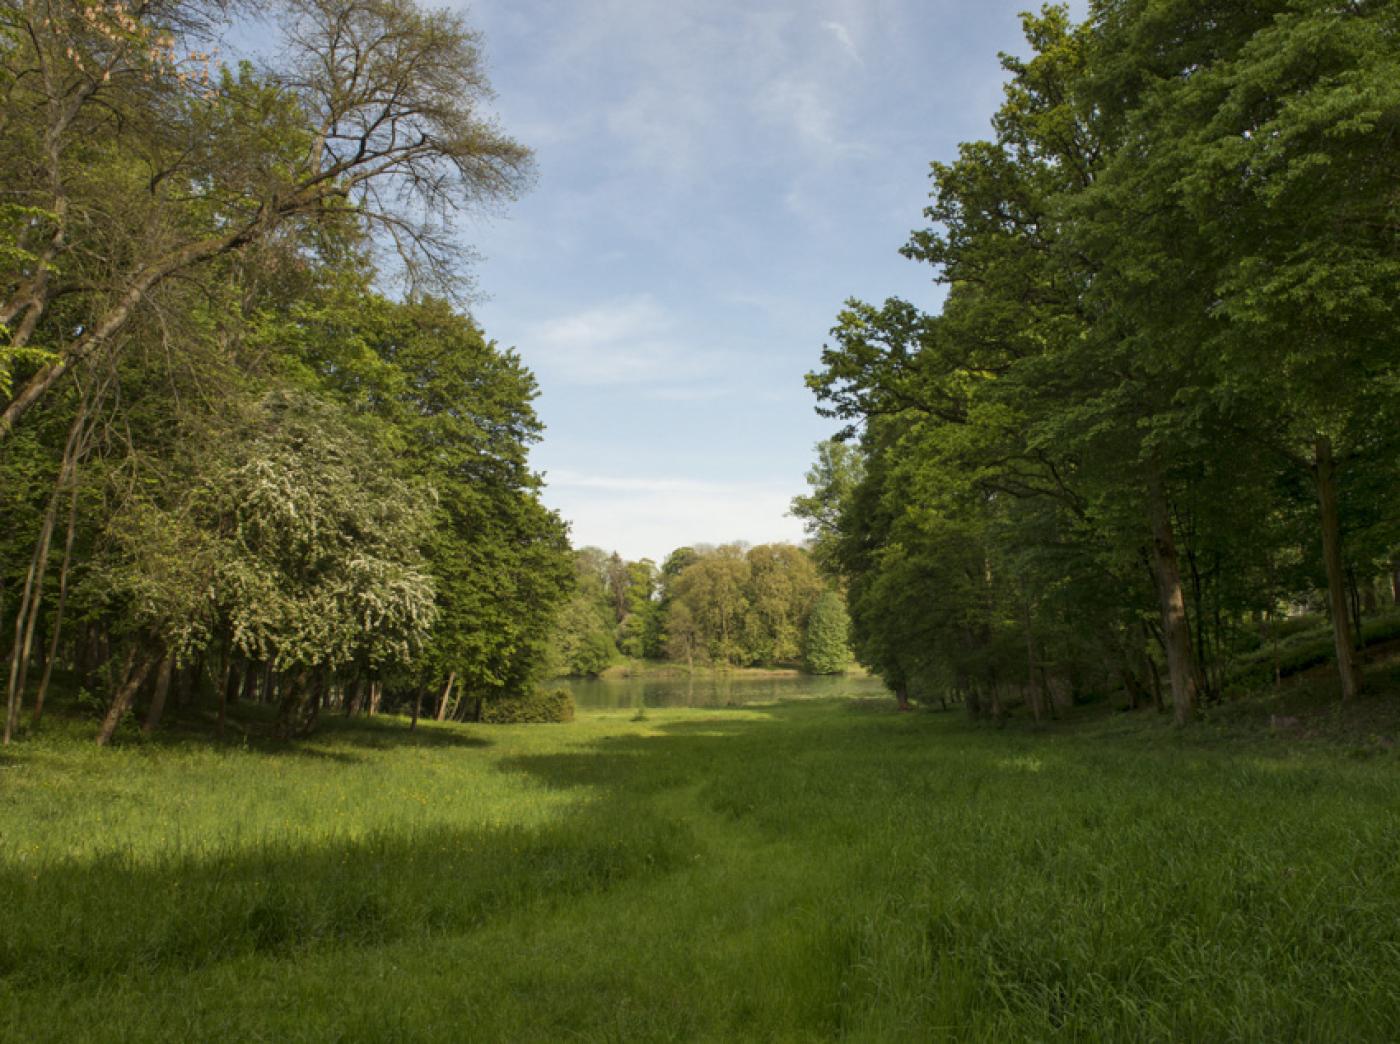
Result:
[{"x": 811, "y": 870}]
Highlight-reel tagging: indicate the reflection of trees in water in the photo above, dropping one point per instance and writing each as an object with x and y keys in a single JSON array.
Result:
[{"x": 718, "y": 692}]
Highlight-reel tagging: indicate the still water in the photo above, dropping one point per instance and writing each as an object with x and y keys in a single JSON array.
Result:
[{"x": 712, "y": 691}]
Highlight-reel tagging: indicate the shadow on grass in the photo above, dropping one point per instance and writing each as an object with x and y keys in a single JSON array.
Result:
[
  {"x": 93, "y": 919},
  {"x": 254, "y": 727},
  {"x": 101, "y": 918}
]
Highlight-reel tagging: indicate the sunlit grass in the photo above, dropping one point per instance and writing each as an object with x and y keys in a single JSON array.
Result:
[{"x": 797, "y": 871}]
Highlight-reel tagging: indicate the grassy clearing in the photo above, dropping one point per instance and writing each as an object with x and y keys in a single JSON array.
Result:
[{"x": 807, "y": 870}]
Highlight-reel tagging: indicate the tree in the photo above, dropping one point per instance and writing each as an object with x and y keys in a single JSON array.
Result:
[
  {"x": 781, "y": 589},
  {"x": 300, "y": 547},
  {"x": 825, "y": 648},
  {"x": 146, "y": 174},
  {"x": 831, "y": 480}
]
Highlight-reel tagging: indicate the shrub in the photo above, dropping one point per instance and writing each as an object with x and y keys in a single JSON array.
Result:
[
  {"x": 1302, "y": 650},
  {"x": 539, "y": 706}
]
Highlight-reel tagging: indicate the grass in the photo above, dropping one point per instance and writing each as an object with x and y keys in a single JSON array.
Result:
[{"x": 801, "y": 871}]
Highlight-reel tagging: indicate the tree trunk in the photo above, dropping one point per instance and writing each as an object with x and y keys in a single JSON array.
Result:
[
  {"x": 167, "y": 667},
  {"x": 1033, "y": 694},
  {"x": 446, "y": 695},
  {"x": 223, "y": 691},
  {"x": 1325, "y": 472},
  {"x": 1176, "y": 628},
  {"x": 1354, "y": 607},
  {"x": 141, "y": 664},
  {"x": 376, "y": 693},
  {"x": 1369, "y": 601},
  {"x": 12, "y": 698},
  {"x": 973, "y": 700},
  {"x": 249, "y": 690},
  {"x": 354, "y": 697},
  {"x": 417, "y": 706},
  {"x": 58, "y": 610},
  {"x": 41, "y": 557}
]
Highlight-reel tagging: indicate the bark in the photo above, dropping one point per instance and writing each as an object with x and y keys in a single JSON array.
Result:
[
  {"x": 34, "y": 594},
  {"x": 1047, "y": 690},
  {"x": 417, "y": 707},
  {"x": 446, "y": 695},
  {"x": 1325, "y": 474},
  {"x": 318, "y": 699},
  {"x": 223, "y": 692},
  {"x": 58, "y": 610},
  {"x": 140, "y": 666},
  {"x": 12, "y": 699},
  {"x": 1354, "y": 607},
  {"x": 249, "y": 691},
  {"x": 1182, "y": 668},
  {"x": 973, "y": 700},
  {"x": 1200, "y": 648},
  {"x": 157, "y": 708},
  {"x": 354, "y": 697},
  {"x": 1033, "y": 693},
  {"x": 105, "y": 329},
  {"x": 41, "y": 557},
  {"x": 376, "y": 693}
]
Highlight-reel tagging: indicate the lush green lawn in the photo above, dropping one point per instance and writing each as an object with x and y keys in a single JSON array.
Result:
[{"x": 803, "y": 871}]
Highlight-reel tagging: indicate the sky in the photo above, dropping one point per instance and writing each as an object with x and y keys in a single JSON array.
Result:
[{"x": 715, "y": 179}]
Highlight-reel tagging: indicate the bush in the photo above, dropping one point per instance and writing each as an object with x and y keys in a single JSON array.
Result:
[
  {"x": 1302, "y": 650},
  {"x": 540, "y": 706}
]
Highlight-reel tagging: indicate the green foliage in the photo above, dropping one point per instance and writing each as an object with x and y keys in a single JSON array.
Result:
[
  {"x": 275, "y": 468},
  {"x": 1164, "y": 375},
  {"x": 826, "y": 649},
  {"x": 725, "y": 606},
  {"x": 539, "y": 706}
]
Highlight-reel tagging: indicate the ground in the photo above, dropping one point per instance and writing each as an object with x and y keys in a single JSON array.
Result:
[{"x": 801, "y": 871}]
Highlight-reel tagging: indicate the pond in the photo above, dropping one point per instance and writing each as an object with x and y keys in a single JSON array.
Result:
[{"x": 714, "y": 690}]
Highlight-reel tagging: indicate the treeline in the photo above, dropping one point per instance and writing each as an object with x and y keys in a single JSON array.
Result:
[
  {"x": 1158, "y": 412},
  {"x": 721, "y": 606},
  {"x": 232, "y": 467}
]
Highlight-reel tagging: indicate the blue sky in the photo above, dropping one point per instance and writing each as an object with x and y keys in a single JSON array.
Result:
[{"x": 715, "y": 179}]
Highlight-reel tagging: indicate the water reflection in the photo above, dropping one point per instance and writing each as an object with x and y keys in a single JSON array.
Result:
[{"x": 712, "y": 690}]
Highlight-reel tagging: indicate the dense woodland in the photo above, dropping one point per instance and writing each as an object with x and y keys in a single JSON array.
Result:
[
  {"x": 252, "y": 447},
  {"x": 720, "y": 606},
  {"x": 1156, "y": 420}
]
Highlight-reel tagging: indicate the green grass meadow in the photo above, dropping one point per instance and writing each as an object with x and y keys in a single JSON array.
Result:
[{"x": 800, "y": 871}]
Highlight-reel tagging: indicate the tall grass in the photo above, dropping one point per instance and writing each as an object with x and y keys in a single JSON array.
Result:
[{"x": 810, "y": 870}]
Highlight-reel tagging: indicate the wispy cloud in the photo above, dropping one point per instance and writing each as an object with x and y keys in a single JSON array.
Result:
[
  {"x": 652, "y": 516},
  {"x": 843, "y": 37},
  {"x": 628, "y": 341},
  {"x": 802, "y": 106}
]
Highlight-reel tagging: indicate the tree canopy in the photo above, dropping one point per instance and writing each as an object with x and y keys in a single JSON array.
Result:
[{"x": 1151, "y": 416}]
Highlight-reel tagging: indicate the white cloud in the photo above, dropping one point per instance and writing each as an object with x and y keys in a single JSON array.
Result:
[
  {"x": 627, "y": 341},
  {"x": 643, "y": 517},
  {"x": 802, "y": 106},
  {"x": 843, "y": 37}
]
